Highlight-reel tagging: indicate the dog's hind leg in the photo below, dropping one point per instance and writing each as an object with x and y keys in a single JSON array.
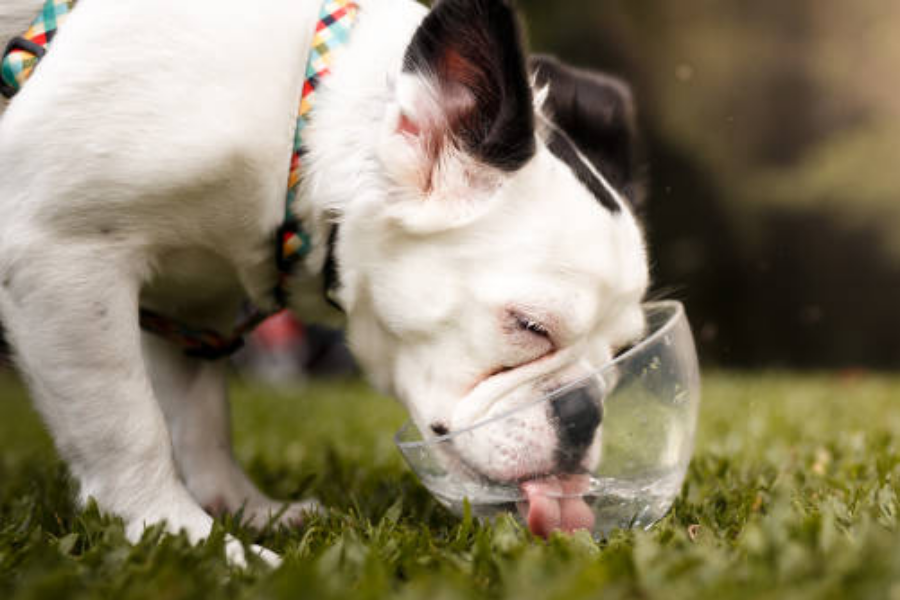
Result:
[
  {"x": 193, "y": 395},
  {"x": 71, "y": 311}
]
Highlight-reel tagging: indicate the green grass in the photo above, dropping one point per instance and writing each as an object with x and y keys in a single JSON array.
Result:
[{"x": 793, "y": 494}]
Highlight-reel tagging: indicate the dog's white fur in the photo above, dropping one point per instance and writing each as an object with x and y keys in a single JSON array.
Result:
[{"x": 144, "y": 164}]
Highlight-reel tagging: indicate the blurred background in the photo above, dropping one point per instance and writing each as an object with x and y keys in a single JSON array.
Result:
[{"x": 772, "y": 136}]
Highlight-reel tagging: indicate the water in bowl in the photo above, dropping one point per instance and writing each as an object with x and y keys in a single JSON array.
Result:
[{"x": 616, "y": 503}]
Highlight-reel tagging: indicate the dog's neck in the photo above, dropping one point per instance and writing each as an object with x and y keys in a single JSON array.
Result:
[{"x": 341, "y": 163}]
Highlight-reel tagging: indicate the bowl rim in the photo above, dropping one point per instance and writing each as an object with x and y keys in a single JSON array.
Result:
[{"x": 678, "y": 314}]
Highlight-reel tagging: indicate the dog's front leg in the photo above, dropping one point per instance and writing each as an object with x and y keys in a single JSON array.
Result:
[
  {"x": 72, "y": 314},
  {"x": 193, "y": 396}
]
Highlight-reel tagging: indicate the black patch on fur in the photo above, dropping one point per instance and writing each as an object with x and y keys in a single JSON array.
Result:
[
  {"x": 476, "y": 46},
  {"x": 5, "y": 350},
  {"x": 440, "y": 429},
  {"x": 596, "y": 111},
  {"x": 331, "y": 278}
]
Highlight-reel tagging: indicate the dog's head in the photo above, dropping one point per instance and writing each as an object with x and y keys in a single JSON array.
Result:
[{"x": 498, "y": 264}]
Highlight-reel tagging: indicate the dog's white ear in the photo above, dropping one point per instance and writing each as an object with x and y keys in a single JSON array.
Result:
[{"x": 463, "y": 114}]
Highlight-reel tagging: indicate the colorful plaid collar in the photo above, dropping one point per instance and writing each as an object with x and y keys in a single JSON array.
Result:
[
  {"x": 332, "y": 33},
  {"x": 23, "y": 53},
  {"x": 293, "y": 242}
]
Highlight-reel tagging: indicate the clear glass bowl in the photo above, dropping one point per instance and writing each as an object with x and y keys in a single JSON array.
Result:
[{"x": 649, "y": 399}]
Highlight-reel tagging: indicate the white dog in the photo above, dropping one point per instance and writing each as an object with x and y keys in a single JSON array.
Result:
[{"x": 481, "y": 258}]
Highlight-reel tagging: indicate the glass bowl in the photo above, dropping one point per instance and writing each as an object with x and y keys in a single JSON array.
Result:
[{"x": 644, "y": 417}]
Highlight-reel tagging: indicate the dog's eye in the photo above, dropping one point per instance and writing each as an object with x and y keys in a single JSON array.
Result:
[
  {"x": 528, "y": 333},
  {"x": 526, "y": 324}
]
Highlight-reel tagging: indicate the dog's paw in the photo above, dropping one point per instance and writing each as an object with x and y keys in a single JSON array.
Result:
[
  {"x": 236, "y": 554},
  {"x": 197, "y": 525},
  {"x": 271, "y": 513}
]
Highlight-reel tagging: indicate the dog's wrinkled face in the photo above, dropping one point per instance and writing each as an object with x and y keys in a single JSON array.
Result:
[{"x": 500, "y": 267}]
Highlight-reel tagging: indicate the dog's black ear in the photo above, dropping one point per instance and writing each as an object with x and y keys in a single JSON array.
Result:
[
  {"x": 471, "y": 53},
  {"x": 597, "y": 113}
]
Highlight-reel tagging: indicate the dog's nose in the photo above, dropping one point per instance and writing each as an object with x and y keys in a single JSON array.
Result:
[{"x": 577, "y": 414}]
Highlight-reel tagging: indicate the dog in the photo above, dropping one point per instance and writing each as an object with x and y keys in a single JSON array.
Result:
[{"x": 470, "y": 209}]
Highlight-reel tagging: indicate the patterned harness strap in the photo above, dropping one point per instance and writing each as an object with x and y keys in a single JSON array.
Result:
[
  {"x": 292, "y": 243},
  {"x": 332, "y": 32},
  {"x": 23, "y": 53}
]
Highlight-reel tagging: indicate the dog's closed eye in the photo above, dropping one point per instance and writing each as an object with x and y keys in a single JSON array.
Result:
[
  {"x": 527, "y": 339},
  {"x": 531, "y": 326},
  {"x": 518, "y": 323}
]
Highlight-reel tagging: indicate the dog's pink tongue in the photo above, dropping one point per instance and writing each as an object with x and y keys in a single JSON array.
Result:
[{"x": 545, "y": 511}]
